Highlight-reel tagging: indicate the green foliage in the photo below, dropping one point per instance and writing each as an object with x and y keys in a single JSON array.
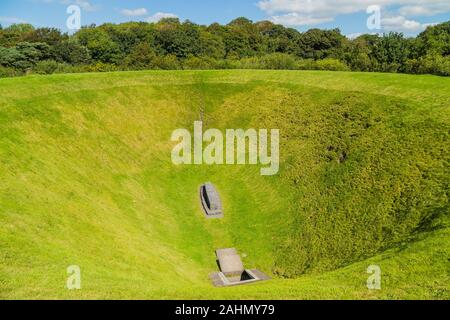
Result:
[
  {"x": 278, "y": 38},
  {"x": 242, "y": 43},
  {"x": 6, "y": 72},
  {"x": 429, "y": 64},
  {"x": 306, "y": 64},
  {"x": 358, "y": 54},
  {"x": 180, "y": 40},
  {"x": 391, "y": 52},
  {"x": 99, "y": 43},
  {"x": 11, "y": 57},
  {"x": 20, "y": 28},
  {"x": 325, "y": 64},
  {"x": 196, "y": 63},
  {"x": 46, "y": 67},
  {"x": 169, "y": 62},
  {"x": 11, "y": 36},
  {"x": 211, "y": 45},
  {"x": 50, "y": 36},
  {"x": 24, "y": 56},
  {"x": 143, "y": 56},
  {"x": 33, "y": 52},
  {"x": 101, "y": 67},
  {"x": 331, "y": 65},
  {"x": 278, "y": 61},
  {"x": 129, "y": 35},
  {"x": 71, "y": 52},
  {"x": 281, "y": 61},
  {"x": 242, "y": 39},
  {"x": 320, "y": 44},
  {"x": 435, "y": 40},
  {"x": 50, "y": 67}
]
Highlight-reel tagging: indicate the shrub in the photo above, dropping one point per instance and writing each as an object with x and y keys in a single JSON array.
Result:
[
  {"x": 196, "y": 63},
  {"x": 226, "y": 64},
  {"x": 434, "y": 64},
  {"x": 361, "y": 62},
  {"x": 325, "y": 64},
  {"x": 278, "y": 61},
  {"x": 249, "y": 63},
  {"x": 331, "y": 65},
  {"x": 46, "y": 67},
  {"x": 306, "y": 64},
  {"x": 100, "y": 67},
  {"x": 169, "y": 62},
  {"x": 6, "y": 72},
  {"x": 12, "y": 58}
]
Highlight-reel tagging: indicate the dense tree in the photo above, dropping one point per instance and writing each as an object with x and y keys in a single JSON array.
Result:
[
  {"x": 172, "y": 44},
  {"x": 50, "y": 36},
  {"x": 142, "y": 56},
  {"x": 211, "y": 45},
  {"x": 358, "y": 54},
  {"x": 128, "y": 35},
  {"x": 321, "y": 44},
  {"x": 14, "y": 34},
  {"x": 71, "y": 52},
  {"x": 391, "y": 52},
  {"x": 178, "y": 39},
  {"x": 436, "y": 40},
  {"x": 242, "y": 39},
  {"x": 278, "y": 38},
  {"x": 100, "y": 44}
]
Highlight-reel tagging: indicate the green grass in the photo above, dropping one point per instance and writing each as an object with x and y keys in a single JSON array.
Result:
[{"x": 86, "y": 179}]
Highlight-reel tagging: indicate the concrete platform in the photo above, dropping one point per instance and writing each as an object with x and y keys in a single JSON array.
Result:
[
  {"x": 219, "y": 280},
  {"x": 232, "y": 272}
]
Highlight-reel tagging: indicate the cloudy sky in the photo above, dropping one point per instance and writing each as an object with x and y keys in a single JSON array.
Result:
[{"x": 408, "y": 16}]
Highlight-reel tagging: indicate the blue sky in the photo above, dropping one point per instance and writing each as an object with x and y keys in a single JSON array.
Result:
[{"x": 408, "y": 16}]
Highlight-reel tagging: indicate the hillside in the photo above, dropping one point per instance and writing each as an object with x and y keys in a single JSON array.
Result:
[{"x": 86, "y": 179}]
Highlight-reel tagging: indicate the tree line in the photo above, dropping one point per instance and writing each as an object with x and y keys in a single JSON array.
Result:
[{"x": 242, "y": 44}]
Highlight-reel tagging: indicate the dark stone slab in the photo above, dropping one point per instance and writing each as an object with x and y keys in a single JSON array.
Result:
[{"x": 210, "y": 200}]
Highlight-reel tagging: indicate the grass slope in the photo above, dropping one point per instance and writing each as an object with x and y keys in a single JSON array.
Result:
[{"x": 86, "y": 179}]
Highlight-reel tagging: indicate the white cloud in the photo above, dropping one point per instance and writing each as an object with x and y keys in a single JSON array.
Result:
[
  {"x": 310, "y": 12},
  {"x": 430, "y": 9},
  {"x": 160, "y": 15},
  {"x": 134, "y": 12},
  {"x": 432, "y": 24},
  {"x": 86, "y": 5},
  {"x": 352, "y": 36},
  {"x": 83, "y": 4},
  {"x": 400, "y": 23},
  {"x": 296, "y": 19},
  {"x": 315, "y": 7},
  {"x": 11, "y": 20}
]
